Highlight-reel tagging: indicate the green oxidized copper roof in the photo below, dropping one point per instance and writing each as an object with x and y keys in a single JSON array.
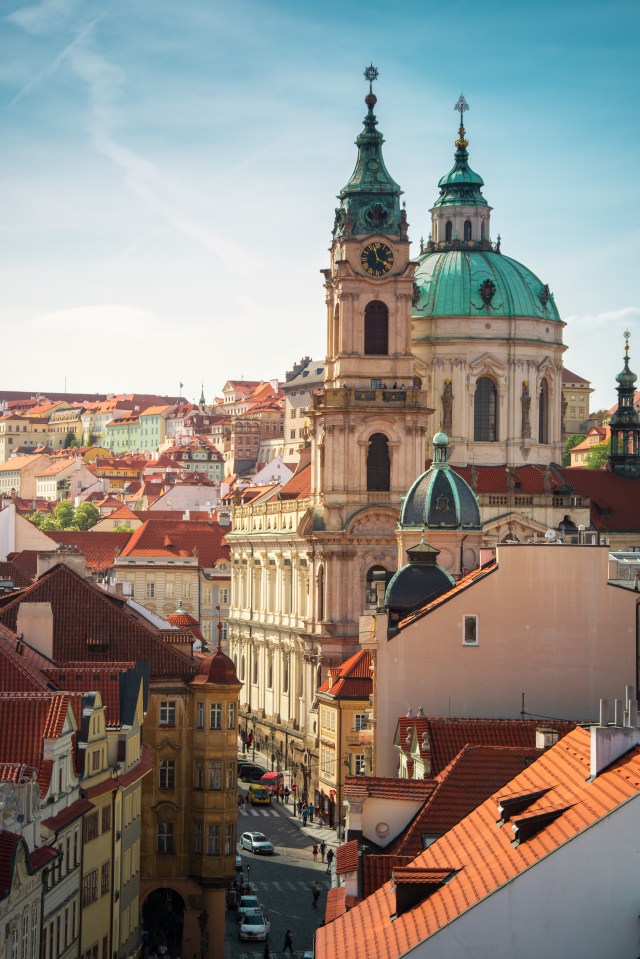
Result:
[
  {"x": 463, "y": 283},
  {"x": 370, "y": 202},
  {"x": 461, "y": 186}
]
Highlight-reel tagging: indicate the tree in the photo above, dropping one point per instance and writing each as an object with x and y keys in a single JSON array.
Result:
[
  {"x": 598, "y": 455},
  {"x": 63, "y": 514},
  {"x": 36, "y": 517},
  {"x": 121, "y": 528},
  {"x": 569, "y": 443},
  {"x": 70, "y": 440},
  {"x": 86, "y": 515},
  {"x": 49, "y": 522}
]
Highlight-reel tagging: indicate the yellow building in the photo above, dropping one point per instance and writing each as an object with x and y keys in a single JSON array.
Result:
[
  {"x": 344, "y": 706},
  {"x": 190, "y": 801}
]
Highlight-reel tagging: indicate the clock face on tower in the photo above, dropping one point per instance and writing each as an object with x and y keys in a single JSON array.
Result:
[{"x": 376, "y": 258}]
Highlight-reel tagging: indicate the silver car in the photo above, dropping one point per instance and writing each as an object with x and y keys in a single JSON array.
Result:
[{"x": 256, "y": 842}]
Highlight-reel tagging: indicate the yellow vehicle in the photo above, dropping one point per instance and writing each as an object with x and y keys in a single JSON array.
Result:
[{"x": 258, "y": 795}]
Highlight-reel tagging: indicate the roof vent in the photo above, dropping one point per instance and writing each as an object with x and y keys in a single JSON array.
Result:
[
  {"x": 412, "y": 886},
  {"x": 546, "y": 737},
  {"x": 514, "y": 803},
  {"x": 527, "y": 826}
]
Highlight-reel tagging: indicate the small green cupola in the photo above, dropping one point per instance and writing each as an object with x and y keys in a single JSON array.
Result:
[
  {"x": 625, "y": 423},
  {"x": 370, "y": 202},
  {"x": 460, "y": 217}
]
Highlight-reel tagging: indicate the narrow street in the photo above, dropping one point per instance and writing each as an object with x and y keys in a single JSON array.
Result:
[{"x": 281, "y": 882}]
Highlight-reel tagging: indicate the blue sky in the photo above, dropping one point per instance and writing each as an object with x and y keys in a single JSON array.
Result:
[{"x": 169, "y": 172}]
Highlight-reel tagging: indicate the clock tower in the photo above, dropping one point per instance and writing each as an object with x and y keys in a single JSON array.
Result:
[{"x": 371, "y": 418}]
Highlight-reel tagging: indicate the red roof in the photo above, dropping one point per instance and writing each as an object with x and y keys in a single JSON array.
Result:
[
  {"x": 615, "y": 500},
  {"x": 13, "y": 572},
  {"x": 493, "y": 479},
  {"x": 347, "y": 857},
  {"x": 21, "y": 668},
  {"x": 87, "y": 677},
  {"x": 99, "y": 547},
  {"x": 22, "y": 742},
  {"x": 359, "y": 788},
  {"x": 179, "y": 538},
  {"x": 479, "y": 857},
  {"x": 90, "y": 624},
  {"x": 351, "y": 680}
]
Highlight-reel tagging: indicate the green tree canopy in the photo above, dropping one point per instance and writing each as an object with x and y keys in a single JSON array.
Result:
[
  {"x": 36, "y": 517},
  {"x": 86, "y": 516},
  {"x": 598, "y": 455},
  {"x": 122, "y": 529},
  {"x": 569, "y": 443},
  {"x": 63, "y": 514}
]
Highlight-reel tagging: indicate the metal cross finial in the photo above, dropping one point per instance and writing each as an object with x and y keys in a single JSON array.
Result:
[
  {"x": 371, "y": 74},
  {"x": 461, "y": 106},
  {"x": 626, "y": 335}
]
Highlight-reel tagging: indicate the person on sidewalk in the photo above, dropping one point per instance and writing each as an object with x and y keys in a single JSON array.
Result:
[
  {"x": 310, "y": 812},
  {"x": 329, "y": 860},
  {"x": 315, "y": 852},
  {"x": 304, "y": 815},
  {"x": 287, "y": 792},
  {"x": 315, "y": 892},
  {"x": 288, "y": 942},
  {"x": 323, "y": 849}
]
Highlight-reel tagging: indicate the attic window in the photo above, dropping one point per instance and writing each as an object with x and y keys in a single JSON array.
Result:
[
  {"x": 412, "y": 886},
  {"x": 529, "y": 825},
  {"x": 513, "y": 804}
]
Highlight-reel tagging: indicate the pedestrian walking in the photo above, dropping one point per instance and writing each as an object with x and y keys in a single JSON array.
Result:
[
  {"x": 323, "y": 849},
  {"x": 287, "y": 792},
  {"x": 288, "y": 942},
  {"x": 310, "y": 812},
  {"x": 304, "y": 816},
  {"x": 315, "y": 892},
  {"x": 315, "y": 852},
  {"x": 329, "y": 860}
]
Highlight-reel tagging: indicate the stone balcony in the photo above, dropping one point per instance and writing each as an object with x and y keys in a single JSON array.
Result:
[{"x": 363, "y": 397}]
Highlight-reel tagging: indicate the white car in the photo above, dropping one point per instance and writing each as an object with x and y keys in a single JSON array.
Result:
[
  {"x": 248, "y": 904},
  {"x": 256, "y": 842},
  {"x": 254, "y": 925}
]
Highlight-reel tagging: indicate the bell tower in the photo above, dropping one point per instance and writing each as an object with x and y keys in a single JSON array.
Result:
[
  {"x": 625, "y": 423},
  {"x": 371, "y": 418}
]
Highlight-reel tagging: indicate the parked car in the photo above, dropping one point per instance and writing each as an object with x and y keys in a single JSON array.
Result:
[
  {"x": 255, "y": 925},
  {"x": 256, "y": 842},
  {"x": 259, "y": 795},
  {"x": 250, "y": 772},
  {"x": 247, "y": 904}
]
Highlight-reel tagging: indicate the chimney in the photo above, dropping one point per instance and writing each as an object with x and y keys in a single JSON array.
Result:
[
  {"x": 546, "y": 737},
  {"x": 35, "y": 624},
  {"x": 608, "y": 743}
]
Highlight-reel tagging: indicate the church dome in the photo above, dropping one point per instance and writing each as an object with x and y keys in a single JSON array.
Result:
[
  {"x": 218, "y": 669},
  {"x": 417, "y": 583},
  {"x": 440, "y": 498},
  {"x": 471, "y": 283}
]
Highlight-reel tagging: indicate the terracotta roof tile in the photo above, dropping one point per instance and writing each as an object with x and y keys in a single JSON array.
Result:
[
  {"x": 99, "y": 547},
  {"x": 357, "y": 788},
  {"x": 483, "y": 854},
  {"x": 351, "y": 680},
  {"x": 88, "y": 677},
  {"x": 615, "y": 500},
  {"x": 183, "y": 537},
  {"x": 22, "y": 742},
  {"x": 21, "y": 668},
  {"x": 11, "y": 571},
  {"x": 347, "y": 857},
  {"x": 89, "y": 623}
]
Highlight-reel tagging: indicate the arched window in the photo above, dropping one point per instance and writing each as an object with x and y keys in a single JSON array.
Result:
[
  {"x": 381, "y": 576},
  {"x": 483, "y": 229},
  {"x": 448, "y": 231},
  {"x": 467, "y": 229},
  {"x": 336, "y": 330},
  {"x": 376, "y": 329},
  {"x": 254, "y": 671},
  {"x": 543, "y": 413},
  {"x": 378, "y": 463},
  {"x": 269, "y": 670},
  {"x": 485, "y": 411},
  {"x": 285, "y": 672}
]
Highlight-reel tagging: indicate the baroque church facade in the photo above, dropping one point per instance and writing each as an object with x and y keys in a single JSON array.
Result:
[{"x": 460, "y": 338}]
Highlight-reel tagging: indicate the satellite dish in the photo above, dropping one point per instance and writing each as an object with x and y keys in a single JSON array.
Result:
[{"x": 550, "y": 535}]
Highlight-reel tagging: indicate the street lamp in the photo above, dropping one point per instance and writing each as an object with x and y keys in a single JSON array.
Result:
[{"x": 203, "y": 919}]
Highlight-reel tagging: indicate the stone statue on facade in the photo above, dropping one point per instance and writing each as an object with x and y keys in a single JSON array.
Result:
[
  {"x": 447, "y": 407},
  {"x": 525, "y": 399}
]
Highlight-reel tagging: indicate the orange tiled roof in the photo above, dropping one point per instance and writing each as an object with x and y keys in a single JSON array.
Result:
[
  {"x": 87, "y": 677},
  {"x": 351, "y": 680},
  {"x": 98, "y": 547},
  {"x": 21, "y": 668},
  {"x": 483, "y": 855},
  {"x": 569, "y": 377},
  {"x": 358, "y": 788},
  {"x": 347, "y": 857},
  {"x": 22, "y": 742},
  {"x": 614, "y": 499},
  {"x": 179, "y": 538}
]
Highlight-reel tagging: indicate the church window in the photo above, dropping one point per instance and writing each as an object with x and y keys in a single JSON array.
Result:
[
  {"x": 376, "y": 329},
  {"x": 321, "y": 593},
  {"x": 467, "y": 229},
  {"x": 378, "y": 463},
  {"x": 543, "y": 413},
  {"x": 375, "y": 574},
  {"x": 269, "y": 670},
  {"x": 285, "y": 672},
  {"x": 449, "y": 231},
  {"x": 483, "y": 229},
  {"x": 485, "y": 411}
]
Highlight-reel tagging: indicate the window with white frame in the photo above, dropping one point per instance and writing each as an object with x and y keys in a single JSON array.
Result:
[
  {"x": 359, "y": 764},
  {"x": 231, "y": 776},
  {"x": 197, "y": 836},
  {"x": 215, "y": 775},
  {"x": 216, "y": 716},
  {"x": 229, "y": 839},
  {"x": 165, "y": 838},
  {"x": 151, "y": 590},
  {"x": 198, "y": 779},
  {"x": 231, "y": 715},
  {"x": 168, "y": 712},
  {"x": 200, "y": 715},
  {"x": 167, "y": 774},
  {"x": 223, "y": 596},
  {"x": 470, "y": 631},
  {"x": 359, "y": 721}
]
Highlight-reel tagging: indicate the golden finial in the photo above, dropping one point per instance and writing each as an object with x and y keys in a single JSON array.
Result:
[
  {"x": 461, "y": 107},
  {"x": 626, "y": 335}
]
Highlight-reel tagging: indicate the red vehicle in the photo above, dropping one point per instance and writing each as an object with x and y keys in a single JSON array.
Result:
[{"x": 273, "y": 782}]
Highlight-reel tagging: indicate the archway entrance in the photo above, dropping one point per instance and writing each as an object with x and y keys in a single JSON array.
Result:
[{"x": 163, "y": 919}]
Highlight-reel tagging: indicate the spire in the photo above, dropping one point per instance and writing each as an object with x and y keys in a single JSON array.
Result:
[
  {"x": 370, "y": 202},
  {"x": 202, "y": 399},
  {"x": 625, "y": 422},
  {"x": 461, "y": 186}
]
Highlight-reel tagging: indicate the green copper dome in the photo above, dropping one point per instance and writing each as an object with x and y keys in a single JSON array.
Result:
[
  {"x": 461, "y": 186},
  {"x": 465, "y": 283},
  {"x": 370, "y": 202}
]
